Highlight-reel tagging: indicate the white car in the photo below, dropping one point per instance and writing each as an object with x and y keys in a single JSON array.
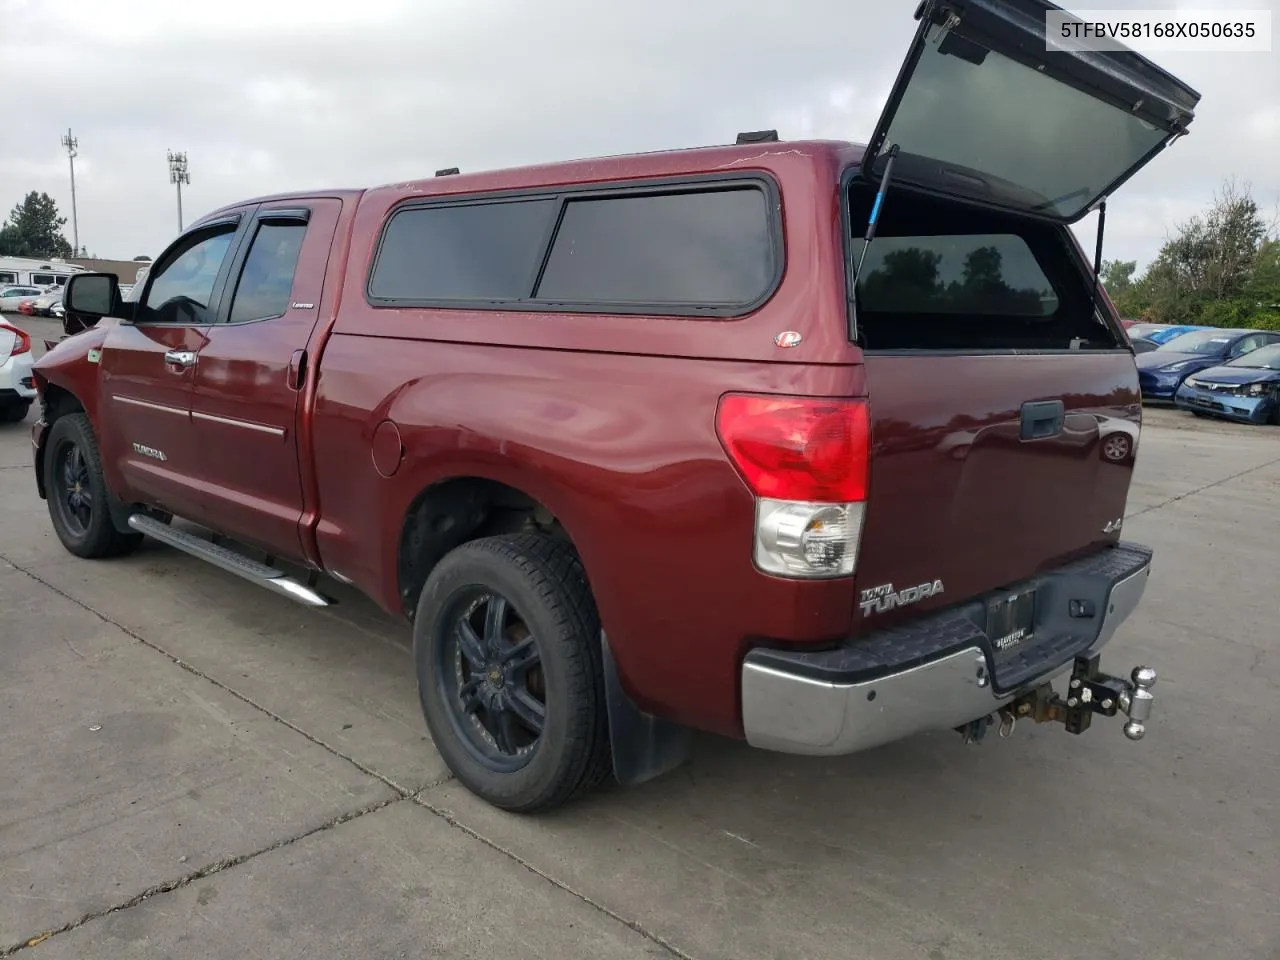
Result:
[
  {"x": 17, "y": 390},
  {"x": 10, "y": 297}
]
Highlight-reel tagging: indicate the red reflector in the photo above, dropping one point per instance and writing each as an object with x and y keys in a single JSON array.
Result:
[{"x": 798, "y": 448}]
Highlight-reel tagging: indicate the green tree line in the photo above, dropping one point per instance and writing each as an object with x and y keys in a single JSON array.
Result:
[{"x": 1218, "y": 269}]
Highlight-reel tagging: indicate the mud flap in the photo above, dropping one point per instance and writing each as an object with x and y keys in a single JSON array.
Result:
[{"x": 643, "y": 746}]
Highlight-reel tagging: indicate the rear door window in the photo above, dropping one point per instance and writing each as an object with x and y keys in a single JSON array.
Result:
[{"x": 266, "y": 280}]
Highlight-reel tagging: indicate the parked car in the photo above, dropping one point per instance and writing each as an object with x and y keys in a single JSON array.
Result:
[
  {"x": 1162, "y": 371},
  {"x": 624, "y": 472},
  {"x": 12, "y": 297},
  {"x": 1245, "y": 389},
  {"x": 17, "y": 390},
  {"x": 1163, "y": 332},
  {"x": 42, "y": 306}
]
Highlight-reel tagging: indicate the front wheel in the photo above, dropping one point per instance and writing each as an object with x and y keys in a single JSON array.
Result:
[
  {"x": 507, "y": 651},
  {"x": 77, "y": 492}
]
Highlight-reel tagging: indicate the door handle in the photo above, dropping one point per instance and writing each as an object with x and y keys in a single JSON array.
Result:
[
  {"x": 1042, "y": 419},
  {"x": 181, "y": 358}
]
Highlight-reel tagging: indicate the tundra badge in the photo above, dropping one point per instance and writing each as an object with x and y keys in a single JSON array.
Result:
[
  {"x": 884, "y": 598},
  {"x": 151, "y": 452}
]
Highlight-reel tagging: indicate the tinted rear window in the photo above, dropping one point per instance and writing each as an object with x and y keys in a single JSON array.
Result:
[
  {"x": 989, "y": 274},
  {"x": 482, "y": 251},
  {"x": 709, "y": 248}
]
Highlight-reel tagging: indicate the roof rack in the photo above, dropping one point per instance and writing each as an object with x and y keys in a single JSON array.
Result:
[{"x": 758, "y": 136}]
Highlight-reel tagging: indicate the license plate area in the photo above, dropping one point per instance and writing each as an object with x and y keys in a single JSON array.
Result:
[{"x": 1011, "y": 621}]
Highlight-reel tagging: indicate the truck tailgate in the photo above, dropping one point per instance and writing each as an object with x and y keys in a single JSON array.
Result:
[{"x": 1029, "y": 466}]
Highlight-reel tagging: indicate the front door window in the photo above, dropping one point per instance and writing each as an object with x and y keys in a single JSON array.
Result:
[{"x": 181, "y": 291}]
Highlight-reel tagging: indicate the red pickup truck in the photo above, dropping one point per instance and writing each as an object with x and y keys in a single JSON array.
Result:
[{"x": 813, "y": 444}]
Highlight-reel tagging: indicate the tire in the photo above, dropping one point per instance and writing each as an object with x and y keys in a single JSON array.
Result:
[
  {"x": 478, "y": 704},
  {"x": 15, "y": 411},
  {"x": 72, "y": 469}
]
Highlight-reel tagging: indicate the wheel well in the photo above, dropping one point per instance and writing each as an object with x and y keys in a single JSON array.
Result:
[
  {"x": 55, "y": 402},
  {"x": 58, "y": 402},
  {"x": 455, "y": 511}
]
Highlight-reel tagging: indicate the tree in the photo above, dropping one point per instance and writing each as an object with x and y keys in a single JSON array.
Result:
[
  {"x": 34, "y": 229},
  {"x": 1219, "y": 269},
  {"x": 1117, "y": 276}
]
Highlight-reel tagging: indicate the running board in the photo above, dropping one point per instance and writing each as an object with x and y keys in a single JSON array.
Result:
[{"x": 230, "y": 561}]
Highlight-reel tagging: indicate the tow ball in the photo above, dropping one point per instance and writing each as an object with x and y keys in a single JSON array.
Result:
[{"x": 1089, "y": 692}]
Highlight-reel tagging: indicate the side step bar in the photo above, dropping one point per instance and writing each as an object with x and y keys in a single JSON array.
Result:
[{"x": 237, "y": 563}]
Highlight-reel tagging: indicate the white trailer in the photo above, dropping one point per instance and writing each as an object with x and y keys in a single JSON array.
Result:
[{"x": 31, "y": 272}]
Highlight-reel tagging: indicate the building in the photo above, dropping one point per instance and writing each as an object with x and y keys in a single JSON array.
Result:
[{"x": 126, "y": 270}]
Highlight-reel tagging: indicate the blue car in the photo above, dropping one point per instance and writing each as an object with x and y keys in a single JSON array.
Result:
[
  {"x": 1162, "y": 370},
  {"x": 1246, "y": 389},
  {"x": 1162, "y": 332}
]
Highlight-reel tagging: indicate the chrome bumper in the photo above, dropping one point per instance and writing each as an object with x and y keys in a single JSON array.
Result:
[{"x": 786, "y": 711}]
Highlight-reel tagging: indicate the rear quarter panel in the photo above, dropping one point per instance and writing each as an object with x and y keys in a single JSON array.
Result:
[
  {"x": 623, "y": 450},
  {"x": 609, "y": 421}
]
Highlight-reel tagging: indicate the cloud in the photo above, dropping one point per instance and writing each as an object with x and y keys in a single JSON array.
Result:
[{"x": 271, "y": 95}]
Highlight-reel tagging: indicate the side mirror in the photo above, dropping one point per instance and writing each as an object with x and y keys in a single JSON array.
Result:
[{"x": 87, "y": 299}]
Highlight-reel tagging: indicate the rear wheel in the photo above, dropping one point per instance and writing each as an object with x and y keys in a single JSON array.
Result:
[
  {"x": 77, "y": 492},
  {"x": 14, "y": 411},
  {"x": 506, "y": 646}
]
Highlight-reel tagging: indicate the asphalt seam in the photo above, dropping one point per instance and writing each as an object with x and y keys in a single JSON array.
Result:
[
  {"x": 403, "y": 792},
  {"x": 633, "y": 925},
  {"x": 1202, "y": 489},
  {"x": 218, "y": 866}
]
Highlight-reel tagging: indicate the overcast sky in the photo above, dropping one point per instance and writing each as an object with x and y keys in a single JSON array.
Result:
[{"x": 271, "y": 95}]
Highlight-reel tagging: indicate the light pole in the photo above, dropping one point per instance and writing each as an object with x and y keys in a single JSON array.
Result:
[
  {"x": 178, "y": 175},
  {"x": 71, "y": 143}
]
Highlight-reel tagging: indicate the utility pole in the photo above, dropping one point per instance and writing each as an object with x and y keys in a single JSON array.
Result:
[
  {"x": 178, "y": 175},
  {"x": 71, "y": 143}
]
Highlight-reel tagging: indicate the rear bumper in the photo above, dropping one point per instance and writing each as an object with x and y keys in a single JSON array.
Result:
[
  {"x": 936, "y": 673},
  {"x": 16, "y": 379}
]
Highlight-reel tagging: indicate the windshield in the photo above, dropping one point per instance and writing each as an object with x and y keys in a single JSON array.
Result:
[
  {"x": 1206, "y": 343},
  {"x": 1264, "y": 358},
  {"x": 1056, "y": 148}
]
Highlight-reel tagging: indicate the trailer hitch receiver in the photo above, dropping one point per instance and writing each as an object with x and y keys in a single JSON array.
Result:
[{"x": 1091, "y": 692}]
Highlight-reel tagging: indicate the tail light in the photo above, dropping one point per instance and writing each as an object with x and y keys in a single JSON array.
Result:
[
  {"x": 24, "y": 342},
  {"x": 806, "y": 461}
]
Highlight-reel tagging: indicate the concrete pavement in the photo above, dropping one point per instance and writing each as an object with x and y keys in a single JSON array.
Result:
[{"x": 197, "y": 768}]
